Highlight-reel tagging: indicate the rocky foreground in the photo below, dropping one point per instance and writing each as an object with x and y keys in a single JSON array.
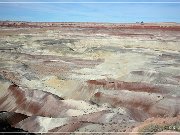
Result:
[{"x": 69, "y": 78}]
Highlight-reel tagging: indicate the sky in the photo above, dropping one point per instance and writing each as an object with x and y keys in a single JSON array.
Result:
[{"x": 96, "y": 11}]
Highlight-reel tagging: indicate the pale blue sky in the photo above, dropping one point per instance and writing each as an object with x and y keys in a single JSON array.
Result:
[{"x": 94, "y": 12}]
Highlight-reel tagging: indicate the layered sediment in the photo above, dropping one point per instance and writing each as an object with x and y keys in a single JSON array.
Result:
[{"x": 90, "y": 77}]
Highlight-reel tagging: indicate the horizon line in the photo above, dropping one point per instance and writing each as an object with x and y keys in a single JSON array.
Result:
[{"x": 83, "y": 22}]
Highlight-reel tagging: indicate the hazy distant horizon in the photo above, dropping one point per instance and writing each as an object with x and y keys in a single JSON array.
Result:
[{"x": 85, "y": 22}]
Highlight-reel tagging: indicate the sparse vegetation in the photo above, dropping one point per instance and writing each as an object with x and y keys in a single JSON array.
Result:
[{"x": 153, "y": 128}]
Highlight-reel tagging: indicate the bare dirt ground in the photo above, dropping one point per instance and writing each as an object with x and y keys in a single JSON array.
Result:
[{"x": 90, "y": 77}]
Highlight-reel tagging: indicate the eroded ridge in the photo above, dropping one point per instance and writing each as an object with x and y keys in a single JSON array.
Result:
[{"x": 90, "y": 77}]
